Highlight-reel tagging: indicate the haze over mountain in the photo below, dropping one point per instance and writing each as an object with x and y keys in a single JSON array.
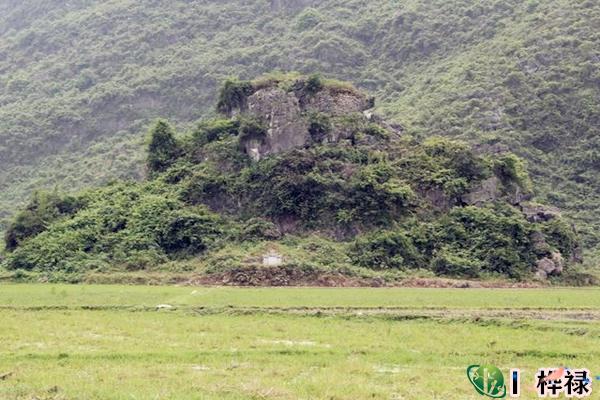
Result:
[{"x": 80, "y": 81}]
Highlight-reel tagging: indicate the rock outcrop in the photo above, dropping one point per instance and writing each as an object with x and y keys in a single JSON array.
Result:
[
  {"x": 296, "y": 113},
  {"x": 289, "y": 114},
  {"x": 552, "y": 265},
  {"x": 487, "y": 191},
  {"x": 539, "y": 213},
  {"x": 337, "y": 103},
  {"x": 286, "y": 128},
  {"x": 492, "y": 189}
]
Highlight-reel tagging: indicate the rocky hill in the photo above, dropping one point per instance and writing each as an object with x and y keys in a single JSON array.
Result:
[
  {"x": 80, "y": 79},
  {"x": 301, "y": 178}
]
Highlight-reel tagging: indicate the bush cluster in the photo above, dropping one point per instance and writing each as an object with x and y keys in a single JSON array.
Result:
[
  {"x": 44, "y": 209},
  {"x": 125, "y": 224},
  {"x": 466, "y": 242}
]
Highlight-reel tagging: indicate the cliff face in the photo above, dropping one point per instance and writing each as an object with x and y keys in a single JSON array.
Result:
[
  {"x": 286, "y": 126},
  {"x": 300, "y": 114}
]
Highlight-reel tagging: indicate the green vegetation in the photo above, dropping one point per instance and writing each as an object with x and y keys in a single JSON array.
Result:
[
  {"x": 45, "y": 207},
  {"x": 23, "y": 296},
  {"x": 80, "y": 81},
  {"x": 123, "y": 224},
  {"x": 233, "y": 95},
  {"x": 314, "y": 84},
  {"x": 356, "y": 199},
  {"x": 218, "y": 343},
  {"x": 163, "y": 148}
]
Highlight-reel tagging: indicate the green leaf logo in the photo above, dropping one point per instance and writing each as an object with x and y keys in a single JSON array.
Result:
[{"x": 487, "y": 380}]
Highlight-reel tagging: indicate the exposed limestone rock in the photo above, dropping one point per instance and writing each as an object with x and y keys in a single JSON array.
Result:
[
  {"x": 437, "y": 198},
  {"x": 351, "y": 129},
  {"x": 559, "y": 263},
  {"x": 492, "y": 149},
  {"x": 272, "y": 259},
  {"x": 539, "y": 243},
  {"x": 282, "y": 114},
  {"x": 515, "y": 195},
  {"x": 286, "y": 116},
  {"x": 393, "y": 128},
  {"x": 539, "y": 213},
  {"x": 544, "y": 266},
  {"x": 492, "y": 189},
  {"x": 548, "y": 266},
  {"x": 576, "y": 255},
  {"x": 488, "y": 190},
  {"x": 338, "y": 103}
]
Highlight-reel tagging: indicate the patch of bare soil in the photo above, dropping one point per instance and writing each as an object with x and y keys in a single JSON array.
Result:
[
  {"x": 283, "y": 276},
  {"x": 292, "y": 276}
]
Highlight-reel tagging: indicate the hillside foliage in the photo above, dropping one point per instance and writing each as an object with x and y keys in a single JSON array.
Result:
[
  {"x": 376, "y": 201},
  {"x": 81, "y": 80}
]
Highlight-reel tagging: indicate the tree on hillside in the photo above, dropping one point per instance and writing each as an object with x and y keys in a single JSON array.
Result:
[{"x": 163, "y": 149}]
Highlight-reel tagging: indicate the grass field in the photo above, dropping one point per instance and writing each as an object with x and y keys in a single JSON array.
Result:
[{"x": 111, "y": 342}]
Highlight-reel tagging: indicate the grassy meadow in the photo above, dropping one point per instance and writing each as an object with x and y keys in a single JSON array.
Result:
[{"x": 113, "y": 342}]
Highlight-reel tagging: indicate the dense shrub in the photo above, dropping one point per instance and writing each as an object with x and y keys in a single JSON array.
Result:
[
  {"x": 443, "y": 164},
  {"x": 205, "y": 186},
  {"x": 179, "y": 171},
  {"x": 376, "y": 131},
  {"x": 188, "y": 232},
  {"x": 455, "y": 155},
  {"x": 386, "y": 249},
  {"x": 456, "y": 263},
  {"x": 314, "y": 84},
  {"x": 309, "y": 185},
  {"x": 163, "y": 149},
  {"x": 497, "y": 237},
  {"x": 319, "y": 126},
  {"x": 467, "y": 242},
  {"x": 512, "y": 171},
  {"x": 131, "y": 225},
  {"x": 44, "y": 208},
  {"x": 283, "y": 186},
  {"x": 210, "y": 131},
  {"x": 561, "y": 236},
  {"x": 225, "y": 155},
  {"x": 308, "y": 19},
  {"x": 377, "y": 195},
  {"x": 258, "y": 228},
  {"x": 233, "y": 95}
]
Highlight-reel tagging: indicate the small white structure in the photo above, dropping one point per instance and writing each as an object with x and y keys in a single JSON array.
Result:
[
  {"x": 254, "y": 153},
  {"x": 272, "y": 259}
]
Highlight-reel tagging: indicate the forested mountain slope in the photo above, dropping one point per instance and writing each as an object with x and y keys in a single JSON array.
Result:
[{"x": 80, "y": 79}]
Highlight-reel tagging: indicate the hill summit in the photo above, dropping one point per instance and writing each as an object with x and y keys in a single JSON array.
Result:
[{"x": 300, "y": 178}]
